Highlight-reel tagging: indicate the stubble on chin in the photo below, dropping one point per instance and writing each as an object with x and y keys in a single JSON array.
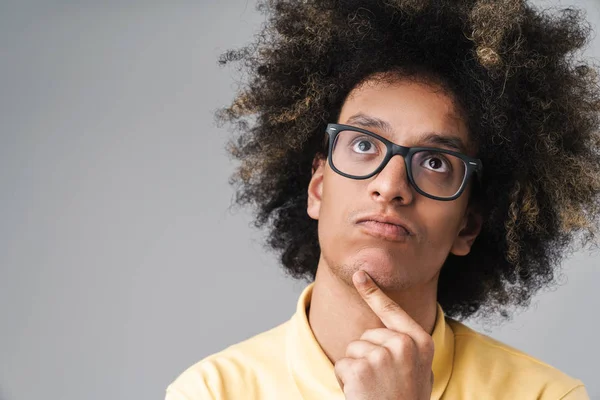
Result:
[{"x": 345, "y": 271}]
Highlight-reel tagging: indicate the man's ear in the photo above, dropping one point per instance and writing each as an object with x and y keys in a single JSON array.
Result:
[
  {"x": 315, "y": 187},
  {"x": 470, "y": 228}
]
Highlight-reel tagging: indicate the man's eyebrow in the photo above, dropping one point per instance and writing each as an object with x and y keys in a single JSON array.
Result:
[
  {"x": 433, "y": 138},
  {"x": 369, "y": 122},
  {"x": 446, "y": 140}
]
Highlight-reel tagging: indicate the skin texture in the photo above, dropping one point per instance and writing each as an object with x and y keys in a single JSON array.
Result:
[{"x": 381, "y": 330}]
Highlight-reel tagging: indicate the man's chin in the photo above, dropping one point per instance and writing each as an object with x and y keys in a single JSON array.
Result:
[
  {"x": 387, "y": 274},
  {"x": 388, "y": 282}
]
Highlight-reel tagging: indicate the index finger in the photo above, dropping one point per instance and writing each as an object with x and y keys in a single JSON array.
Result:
[{"x": 388, "y": 311}]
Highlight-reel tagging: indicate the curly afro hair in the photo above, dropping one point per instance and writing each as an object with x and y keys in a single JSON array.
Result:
[{"x": 531, "y": 104}]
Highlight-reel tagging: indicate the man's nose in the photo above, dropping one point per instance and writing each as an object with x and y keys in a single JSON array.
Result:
[{"x": 392, "y": 184}]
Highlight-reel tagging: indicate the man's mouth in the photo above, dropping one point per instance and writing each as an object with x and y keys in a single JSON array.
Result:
[{"x": 384, "y": 230}]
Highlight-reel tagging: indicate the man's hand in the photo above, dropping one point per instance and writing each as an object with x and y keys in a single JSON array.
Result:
[{"x": 391, "y": 363}]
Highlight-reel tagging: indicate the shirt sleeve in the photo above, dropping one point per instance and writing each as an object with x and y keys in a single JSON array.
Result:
[{"x": 577, "y": 393}]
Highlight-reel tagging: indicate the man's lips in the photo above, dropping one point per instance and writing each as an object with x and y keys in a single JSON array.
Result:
[
  {"x": 389, "y": 219},
  {"x": 384, "y": 230}
]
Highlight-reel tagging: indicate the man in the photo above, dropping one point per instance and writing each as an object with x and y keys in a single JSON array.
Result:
[{"x": 421, "y": 161}]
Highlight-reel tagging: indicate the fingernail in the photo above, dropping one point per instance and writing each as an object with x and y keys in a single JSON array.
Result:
[{"x": 361, "y": 277}]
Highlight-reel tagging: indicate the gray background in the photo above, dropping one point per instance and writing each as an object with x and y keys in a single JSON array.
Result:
[{"x": 120, "y": 261}]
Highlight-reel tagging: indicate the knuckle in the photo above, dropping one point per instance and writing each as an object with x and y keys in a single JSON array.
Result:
[
  {"x": 404, "y": 346},
  {"x": 402, "y": 342},
  {"x": 380, "y": 356},
  {"x": 352, "y": 348},
  {"x": 360, "y": 367},
  {"x": 370, "y": 333},
  {"x": 390, "y": 307},
  {"x": 368, "y": 291}
]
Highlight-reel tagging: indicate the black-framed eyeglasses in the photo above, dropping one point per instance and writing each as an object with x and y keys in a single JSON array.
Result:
[{"x": 436, "y": 173}]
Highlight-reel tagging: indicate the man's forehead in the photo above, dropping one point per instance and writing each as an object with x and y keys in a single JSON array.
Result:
[{"x": 393, "y": 105}]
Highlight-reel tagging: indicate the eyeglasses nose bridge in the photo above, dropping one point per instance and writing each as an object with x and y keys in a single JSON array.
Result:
[{"x": 396, "y": 149}]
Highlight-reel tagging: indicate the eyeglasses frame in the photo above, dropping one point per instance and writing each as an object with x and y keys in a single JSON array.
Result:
[{"x": 473, "y": 165}]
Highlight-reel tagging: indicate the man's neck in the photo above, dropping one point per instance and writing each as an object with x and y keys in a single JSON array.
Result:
[{"x": 338, "y": 315}]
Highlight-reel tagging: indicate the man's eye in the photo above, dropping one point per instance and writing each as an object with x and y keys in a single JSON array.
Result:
[
  {"x": 435, "y": 163},
  {"x": 363, "y": 146}
]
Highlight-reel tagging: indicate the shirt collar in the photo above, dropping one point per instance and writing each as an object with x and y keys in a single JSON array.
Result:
[{"x": 314, "y": 374}]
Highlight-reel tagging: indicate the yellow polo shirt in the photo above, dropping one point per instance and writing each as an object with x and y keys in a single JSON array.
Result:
[{"x": 287, "y": 363}]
